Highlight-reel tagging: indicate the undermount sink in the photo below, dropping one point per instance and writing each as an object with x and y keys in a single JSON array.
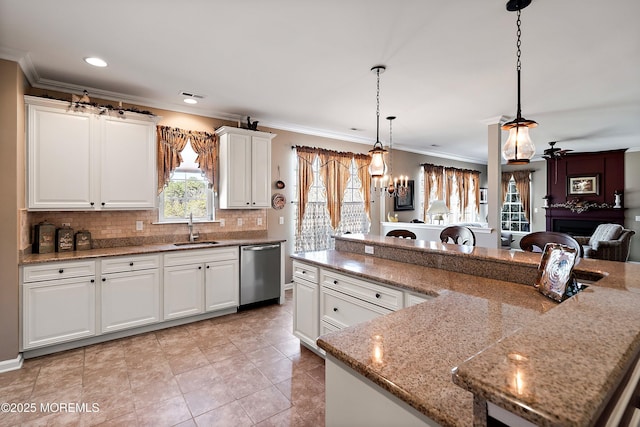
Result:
[{"x": 204, "y": 242}]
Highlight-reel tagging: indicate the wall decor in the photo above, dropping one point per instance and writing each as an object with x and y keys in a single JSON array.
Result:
[
  {"x": 404, "y": 202},
  {"x": 483, "y": 196},
  {"x": 278, "y": 201},
  {"x": 583, "y": 185}
]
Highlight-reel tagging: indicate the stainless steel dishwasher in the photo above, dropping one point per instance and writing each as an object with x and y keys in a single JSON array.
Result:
[{"x": 259, "y": 274}]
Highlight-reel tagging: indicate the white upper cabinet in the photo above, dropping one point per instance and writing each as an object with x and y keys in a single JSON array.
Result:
[
  {"x": 86, "y": 161},
  {"x": 245, "y": 168}
]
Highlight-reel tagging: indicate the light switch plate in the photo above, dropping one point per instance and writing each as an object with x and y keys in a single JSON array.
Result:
[
  {"x": 259, "y": 221},
  {"x": 239, "y": 222},
  {"x": 368, "y": 250},
  {"x": 281, "y": 220},
  {"x": 139, "y": 225},
  {"x": 222, "y": 222},
  {"x": 638, "y": 218}
]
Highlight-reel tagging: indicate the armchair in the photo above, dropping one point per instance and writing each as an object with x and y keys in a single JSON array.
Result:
[{"x": 609, "y": 242}]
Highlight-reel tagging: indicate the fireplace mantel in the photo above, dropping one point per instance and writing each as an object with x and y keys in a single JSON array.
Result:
[{"x": 565, "y": 221}]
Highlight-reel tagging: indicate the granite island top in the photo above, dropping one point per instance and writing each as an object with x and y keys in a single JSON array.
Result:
[
  {"x": 140, "y": 249},
  {"x": 576, "y": 351}
]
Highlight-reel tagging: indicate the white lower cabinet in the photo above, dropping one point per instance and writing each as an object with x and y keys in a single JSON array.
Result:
[
  {"x": 196, "y": 281},
  {"x": 222, "y": 285},
  {"x": 183, "y": 291},
  {"x": 130, "y": 295},
  {"x": 58, "y": 310},
  {"x": 306, "y": 297}
]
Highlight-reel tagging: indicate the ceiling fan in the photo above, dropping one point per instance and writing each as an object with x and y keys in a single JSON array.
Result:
[{"x": 554, "y": 152}]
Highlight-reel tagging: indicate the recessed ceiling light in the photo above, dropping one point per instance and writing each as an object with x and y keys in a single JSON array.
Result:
[
  {"x": 96, "y": 62},
  {"x": 190, "y": 101}
]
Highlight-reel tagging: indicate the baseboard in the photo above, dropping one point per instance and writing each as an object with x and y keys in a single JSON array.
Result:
[{"x": 11, "y": 364}]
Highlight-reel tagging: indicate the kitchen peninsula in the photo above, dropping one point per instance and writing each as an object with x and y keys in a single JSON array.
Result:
[{"x": 479, "y": 311}]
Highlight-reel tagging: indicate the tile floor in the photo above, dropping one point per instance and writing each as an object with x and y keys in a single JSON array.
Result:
[{"x": 238, "y": 370}]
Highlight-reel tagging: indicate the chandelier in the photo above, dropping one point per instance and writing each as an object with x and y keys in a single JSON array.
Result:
[
  {"x": 397, "y": 186},
  {"x": 518, "y": 149}
]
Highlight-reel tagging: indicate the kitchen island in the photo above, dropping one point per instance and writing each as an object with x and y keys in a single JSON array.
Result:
[{"x": 576, "y": 352}]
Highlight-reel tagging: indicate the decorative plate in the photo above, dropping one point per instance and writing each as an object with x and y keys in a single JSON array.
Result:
[{"x": 278, "y": 200}]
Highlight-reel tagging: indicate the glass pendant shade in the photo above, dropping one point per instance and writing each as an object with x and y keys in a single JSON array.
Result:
[
  {"x": 377, "y": 167},
  {"x": 519, "y": 148}
]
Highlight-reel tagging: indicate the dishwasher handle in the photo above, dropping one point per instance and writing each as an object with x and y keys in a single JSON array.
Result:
[{"x": 260, "y": 247}]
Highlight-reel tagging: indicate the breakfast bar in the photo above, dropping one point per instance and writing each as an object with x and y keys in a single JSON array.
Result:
[{"x": 483, "y": 343}]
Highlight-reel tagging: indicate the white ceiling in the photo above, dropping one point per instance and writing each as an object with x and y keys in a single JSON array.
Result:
[{"x": 305, "y": 65}]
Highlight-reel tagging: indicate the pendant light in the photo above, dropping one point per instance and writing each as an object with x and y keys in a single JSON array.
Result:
[
  {"x": 377, "y": 167},
  {"x": 518, "y": 149}
]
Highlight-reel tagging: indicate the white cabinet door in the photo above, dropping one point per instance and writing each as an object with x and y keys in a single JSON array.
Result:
[
  {"x": 129, "y": 299},
  {"x": 58, "y": 311},
  {"x": 222, "y": 285},
  {"x": 245, "y": 168},
  {"x": 261, "y": 172},
  {"x": 183, "y": 291},
  {"x": 59, "y": 159},
  {"x": 305, "y": 317},
  {"x": 239, "y": 171},
  {"x": 128, "y": 164}
]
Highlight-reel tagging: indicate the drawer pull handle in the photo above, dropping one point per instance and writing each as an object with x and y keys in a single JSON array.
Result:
[
  {"x": 304, "y": 272},
  {"x": 335, "y": 308},
  {"x": 104, "y": 279},
  {"x": 93, "y": 281},
  {"x": 335, "y": 282},
  {"x": 92, "y": 203},
  {"x": 131, "y": 264},
  {"x": 199, "y": 267},
  {"x": 207, "y": 266},
  {"x": 377, "y": 295},
  {"x": 61, "y": 271},
  {"x": 103, "y": 203}
]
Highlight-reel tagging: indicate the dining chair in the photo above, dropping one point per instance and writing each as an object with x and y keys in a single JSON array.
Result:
[
  {"x": 534, "y": 242},
  {"x": 459, "y": 235},
  {"x": 405, "y": 234}
]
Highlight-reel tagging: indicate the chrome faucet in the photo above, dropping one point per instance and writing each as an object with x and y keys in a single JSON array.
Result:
[{"x": 192, "y": 237}]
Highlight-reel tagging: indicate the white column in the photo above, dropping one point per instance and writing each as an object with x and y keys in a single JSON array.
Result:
[{"x": 494, "y": 172}]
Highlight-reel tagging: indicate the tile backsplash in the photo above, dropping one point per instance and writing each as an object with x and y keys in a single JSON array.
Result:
[{"x": 118, "y": 228}]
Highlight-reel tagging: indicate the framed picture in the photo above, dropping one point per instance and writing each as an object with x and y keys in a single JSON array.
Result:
[
  {"x": 483, "y": 196},
  {"x": 581, "y": 185},
  {"x": 554, "y": 271},
  {"x": 404, "y": 202}
]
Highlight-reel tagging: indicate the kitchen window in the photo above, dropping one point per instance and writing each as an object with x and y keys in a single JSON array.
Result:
[{"x": 187, "y": 193}]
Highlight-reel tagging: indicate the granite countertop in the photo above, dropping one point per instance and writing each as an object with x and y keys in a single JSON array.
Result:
[
  {"x": 139, "y": 250},
  {"x": 474, "y": 323}
]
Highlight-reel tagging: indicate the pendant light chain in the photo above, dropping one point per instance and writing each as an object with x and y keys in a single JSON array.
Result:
[
  {"x": 518, "y": 43},
  {"x": 378, "y": 106}
]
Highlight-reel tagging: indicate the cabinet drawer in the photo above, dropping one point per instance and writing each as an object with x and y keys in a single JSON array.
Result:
[
  {"x": 58, "y": 270},
  {"x": 375, "y": 294},
  {"x": 413, "y": 299},
  {"x": 342, "y": 310},
  {"x": 130, "y": 263},
  {"x": 326, "y": 327},
  {"x": 305, "y": 271},
  {"x": 194, "y": 256}
]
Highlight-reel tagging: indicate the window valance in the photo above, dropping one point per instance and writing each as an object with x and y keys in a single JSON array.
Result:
[{"x": 171, "y": 141}]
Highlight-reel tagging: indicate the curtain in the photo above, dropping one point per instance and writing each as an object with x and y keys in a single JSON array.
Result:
[
  {"x": 306, "y": 156},
  {"x": 206, "y": 146},
  {"x": 504, "y": 184},
  {"x": 523, "y": 185},
  {"x": 362, "y": 165},
  {"x": 471, "y": 179},
  {"x": 335, "y": 172},
  {"x": 171, "y": 142},
  {"x": 431, "y": 171},
  {"x": 449, "y": 173}
]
